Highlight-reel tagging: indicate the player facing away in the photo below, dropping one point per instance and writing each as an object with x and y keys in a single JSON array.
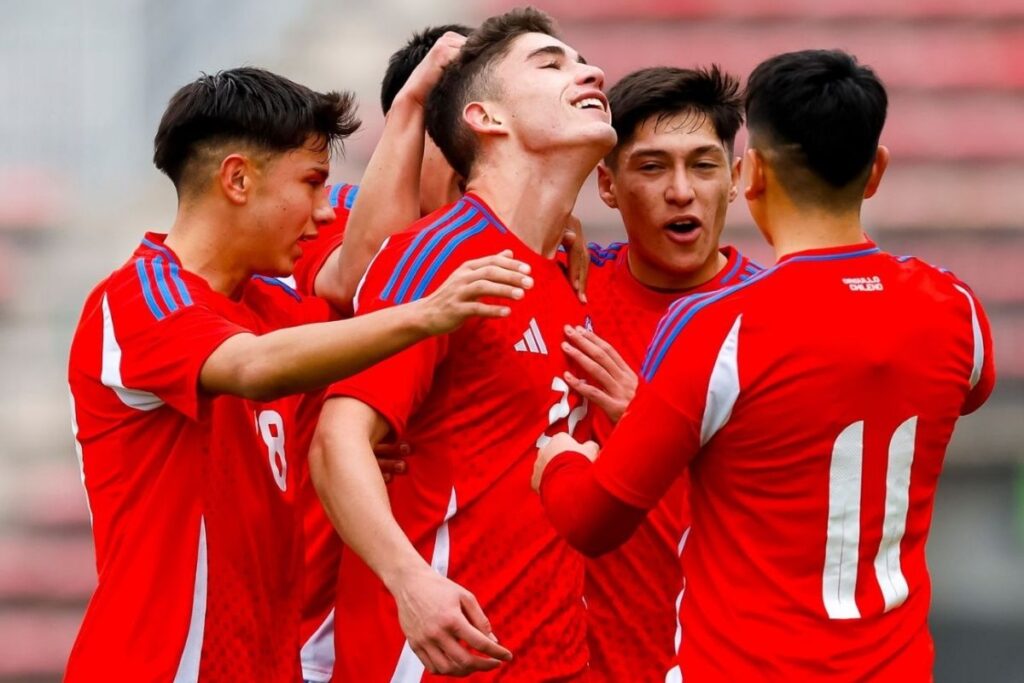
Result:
[
  {"x": 671, "y": 176},
  {"x": 425, "y": 186},
  {"x": 185, "y": 375},
  {"x": 522, "y": 117},
  {"x": 813, "y": 404}
]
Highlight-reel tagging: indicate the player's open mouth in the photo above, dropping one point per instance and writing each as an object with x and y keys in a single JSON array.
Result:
[
  {"x": 684, "y": 229},
  {"x": 592, "y": 100}
]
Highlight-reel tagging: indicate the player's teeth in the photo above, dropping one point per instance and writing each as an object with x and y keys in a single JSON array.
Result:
[{"x": 590, "y": 102}]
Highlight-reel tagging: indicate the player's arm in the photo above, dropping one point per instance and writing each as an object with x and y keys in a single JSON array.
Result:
[
  {"x": 308, "y": 357},
  {"x": 436, "y": 614},
  {"x": 612, "y": 382},
  {"x": 389, "y": 192}
]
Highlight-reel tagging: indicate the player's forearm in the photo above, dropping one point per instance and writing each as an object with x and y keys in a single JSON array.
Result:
[
  {"x": 348, "y": 480},
  {"x": 592, "y": 520},
  {"x": 388, "y": 202},
  {"x": 309, "y": 357}
]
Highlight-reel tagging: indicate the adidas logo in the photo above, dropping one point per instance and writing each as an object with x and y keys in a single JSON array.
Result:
[{"x": 532, "y": 341}]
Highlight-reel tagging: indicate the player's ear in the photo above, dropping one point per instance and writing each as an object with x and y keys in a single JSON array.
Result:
[
  {"x": 484, "y": 119},
  {"x": 754, "y": 169},
  {"x": 878, "y": 167},
  {"x": 234, "y": 177},
  {"x": 737, "y": 169},
  {"x": 606, "y": 186}
]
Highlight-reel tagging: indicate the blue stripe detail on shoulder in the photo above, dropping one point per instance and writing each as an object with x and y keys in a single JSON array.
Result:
[
  {"x": 159, "y": 247},
  {"x": 273, "y": 281},
  {"x": 732, "y": 271},
  {"x": 161, "y": 285},
  {"x": 682, "y": 311},
  {"x": 179, "y": 284},
  {"x": 350, "y": 196},
  {"x": 435, "y": 240},
  {"x": 498, "y": 225},
  {"x": 411, "y": 249},
  {"x": 335, "y": 192},
  {"x": 452, "y": 245},
  {"x": 147, "y": 289}
]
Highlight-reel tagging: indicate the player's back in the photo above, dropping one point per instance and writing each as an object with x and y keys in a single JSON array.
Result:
[
  {"x": 839, "y": 378},
  {"x": 473, "y": 404}
]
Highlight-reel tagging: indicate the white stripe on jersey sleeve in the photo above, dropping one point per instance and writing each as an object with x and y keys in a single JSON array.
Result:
[
  {"x": 110, "y": 371},
  {"x": 410, "y": 668},
  {"x": 362, "y": 280},
  {"x": 188, "y": 666},
  {"x": 979, "y": 343},
  {"x": 724, "y": 387}
]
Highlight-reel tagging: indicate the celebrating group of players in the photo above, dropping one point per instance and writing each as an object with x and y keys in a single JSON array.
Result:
[{"x": 278, "y": 493}]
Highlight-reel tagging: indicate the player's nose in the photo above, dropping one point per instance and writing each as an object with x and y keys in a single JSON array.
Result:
[
  {"x": 590, "y": 75},
  {"x": 680, "y": 189},
  {"x": 323, "y": 212}
]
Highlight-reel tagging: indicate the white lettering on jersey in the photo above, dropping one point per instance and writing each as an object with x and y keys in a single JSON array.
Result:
[
  {"x": 561, "y": 409},
  {"x": 842, "y": 539},
  {"x": 864, "y": 284},
  {"x": 270, "y": 425}
]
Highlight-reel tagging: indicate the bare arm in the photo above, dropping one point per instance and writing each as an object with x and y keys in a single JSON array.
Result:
[
  {"x": 389, "y": 192},
  {"x": 307, "y": 357},
  {"x": 435, "y": 613}
]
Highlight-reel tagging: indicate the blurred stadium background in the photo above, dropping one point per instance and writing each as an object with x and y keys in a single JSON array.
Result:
[{"x": 82, "y": 85}]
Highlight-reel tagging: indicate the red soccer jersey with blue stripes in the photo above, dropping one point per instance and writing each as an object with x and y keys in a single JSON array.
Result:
[
  {"x": 321, "y": 542},
  {"x": 631, "y": 592},
  {"x": 813, "y": 404},
  {"x": 198, "y": 548},
  {"x": 474, "y": 404}
]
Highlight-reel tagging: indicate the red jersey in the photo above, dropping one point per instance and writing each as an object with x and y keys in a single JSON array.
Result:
[
  {"x": 322, "y": 544},
  {"x": 815, "y": 402},
  {"x": 631, "y": 591},
  {"x": 192, "y": 496},
  {"x": 475, "y": 403}
]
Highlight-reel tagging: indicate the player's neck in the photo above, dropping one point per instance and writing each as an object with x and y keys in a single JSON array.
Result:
[
  {"x": 793, "y": 231},
  {"x": 197, "y": 239},
  {"x": 534, "y": 196}
]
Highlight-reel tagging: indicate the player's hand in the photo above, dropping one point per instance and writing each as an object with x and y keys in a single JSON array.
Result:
[
  {"x": 426, "y": 74},
  {"x": 613, "y": 383},
  {"x": 391, "y": 458},
  {"x": 440, "y": 619},
  {"x": 579, "y": 259},
  {"x": 499, "y": 276},
  {"x": 559, "y": 443}
]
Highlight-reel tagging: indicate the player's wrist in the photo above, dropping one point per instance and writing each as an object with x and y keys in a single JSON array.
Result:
[{"x": 399, "y": 573}]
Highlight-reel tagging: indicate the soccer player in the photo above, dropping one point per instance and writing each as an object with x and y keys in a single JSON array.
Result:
[
  {"x": 185, "y": 370},
  {"x": 332, "y": 263},
  {"x": 522, "y": 117},
  {"x": 813, "y": 404},
  {"x": 671, "y": 176}
]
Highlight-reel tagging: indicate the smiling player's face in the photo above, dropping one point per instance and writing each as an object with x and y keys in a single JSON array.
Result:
[
  {"x": 549, "y": 98},
  {"x": 672, "y": 183}
]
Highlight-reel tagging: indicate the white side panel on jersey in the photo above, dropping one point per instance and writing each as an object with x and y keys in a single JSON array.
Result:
[
  {"x": 979, "y": 343},
  {"x": 724, "y": 387},
  {"x": 410, "y": 668},
  {"x": 675, "y": 674},
  {"x": 188, "y": 666},
  {"x": 362, "y": 280},
  {"x": 842, "y": 542},
  {"x": 78, "y": 452},
  {"x": 897, "y": 503},
  {"x": 110, "y": 371},
  {"x": 317, "y": 654}
]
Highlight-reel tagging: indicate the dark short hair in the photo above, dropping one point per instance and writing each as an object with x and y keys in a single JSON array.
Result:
[
  {"x": 404, "y": 61},
  {"x": 664, "y": 91},
  {"x": 250, "y": 107},
  {"x": 467, "y": 79},
  {"x": 817, "y": 116}
]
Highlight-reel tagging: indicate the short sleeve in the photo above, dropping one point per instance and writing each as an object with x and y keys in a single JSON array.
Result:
[
  {"x": 316, "y": 251},
  {"x": 156, "y": 342},
  {"x": 983, "y": 371},
  {"x": 396, "y": 386}
]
